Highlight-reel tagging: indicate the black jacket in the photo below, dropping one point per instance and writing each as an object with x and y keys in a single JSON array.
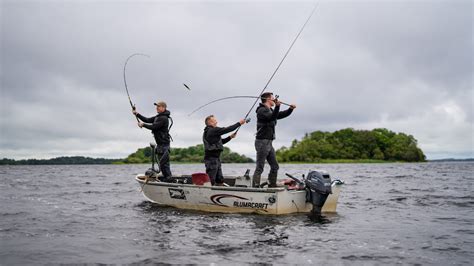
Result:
[
  {"x": 267, "y": 120},
  {"x": 213, "y": 144},
  {"x": 159, "y": 126}
]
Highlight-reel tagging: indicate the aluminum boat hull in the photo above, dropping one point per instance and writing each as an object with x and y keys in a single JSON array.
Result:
[{"x": 232, "y": 199}]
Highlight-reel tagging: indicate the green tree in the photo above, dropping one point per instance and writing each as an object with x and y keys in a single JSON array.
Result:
[
  {"x": 190, "y": 154},
  {"x": 348, "y": 143}
]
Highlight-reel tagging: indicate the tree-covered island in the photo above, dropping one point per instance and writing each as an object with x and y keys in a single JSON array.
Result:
[{"x": 349, "y": 144}]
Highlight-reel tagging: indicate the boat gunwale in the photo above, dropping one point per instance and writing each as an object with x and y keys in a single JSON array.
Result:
[{"x": 223, "y": 188}]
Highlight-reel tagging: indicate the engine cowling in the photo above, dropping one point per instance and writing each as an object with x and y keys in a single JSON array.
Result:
[{"x": 318, "y": 188}]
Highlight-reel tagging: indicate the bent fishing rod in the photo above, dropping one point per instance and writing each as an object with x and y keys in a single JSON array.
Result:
[
  {"x": 125, "y": 79},
  {"x": 281, "y": 62},
  {"x": 227, "y": 98}
]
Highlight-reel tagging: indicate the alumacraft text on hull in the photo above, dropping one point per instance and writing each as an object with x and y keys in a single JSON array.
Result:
[{"x": 314, "y": 194}]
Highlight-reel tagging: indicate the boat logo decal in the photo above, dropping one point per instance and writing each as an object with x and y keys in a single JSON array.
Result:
[
  {"x": 239, "y": 202},
  {"x": 216, "y": 199},
  {"x": 176, "y": 193}
]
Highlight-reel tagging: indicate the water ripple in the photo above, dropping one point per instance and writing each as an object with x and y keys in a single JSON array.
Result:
[{"x": 388, "y": 214}]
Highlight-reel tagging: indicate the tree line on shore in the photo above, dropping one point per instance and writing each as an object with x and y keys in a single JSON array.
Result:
[
  {"x": 59, "y": 161},
  {"x": 193, "y": 154},
  {"x": 344, "y": 145}
]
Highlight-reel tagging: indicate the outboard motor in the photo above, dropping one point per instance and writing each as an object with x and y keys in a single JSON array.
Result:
[
  {"x": 152, "y": 172},
  {"x": 318, "y": 188}
]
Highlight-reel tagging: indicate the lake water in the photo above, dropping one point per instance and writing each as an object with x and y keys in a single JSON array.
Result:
[{"x": 387, "y": 214}]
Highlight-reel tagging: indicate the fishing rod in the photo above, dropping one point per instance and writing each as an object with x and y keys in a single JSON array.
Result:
[
  {"x": 125, "y": 79},
  {"x": 226, "y": 98},
  {"x": 281, "y": 62}
]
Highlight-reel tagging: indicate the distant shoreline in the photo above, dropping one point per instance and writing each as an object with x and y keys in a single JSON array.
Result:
[
  {"x": 452, "y": 160},
  {"x": 102, "y": 161},
  {"x": 379, "y": 145}
]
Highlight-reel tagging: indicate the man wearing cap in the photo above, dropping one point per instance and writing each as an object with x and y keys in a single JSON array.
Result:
[
  {"x": 159, "y": 126},
  {"x": 266, "y": 122},
  {"x": 214, "y": 145}
]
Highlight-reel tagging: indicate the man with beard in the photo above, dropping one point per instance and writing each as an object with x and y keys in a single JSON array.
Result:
[{"x": 266, "y": 122}]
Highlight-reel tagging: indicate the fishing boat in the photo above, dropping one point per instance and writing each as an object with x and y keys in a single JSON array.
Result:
[{"x": 314, "y": 194}]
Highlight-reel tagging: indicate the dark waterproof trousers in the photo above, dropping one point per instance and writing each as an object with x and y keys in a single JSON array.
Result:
[
  {"x": 163, "y": 159},
  {"x": 265, "y": 151},
  {"x": 214, "y": 170}
]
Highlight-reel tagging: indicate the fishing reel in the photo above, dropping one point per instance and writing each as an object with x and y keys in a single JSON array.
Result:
[
  {"x": 248, "y": 120},
  {"x": 276, "y": 98}
]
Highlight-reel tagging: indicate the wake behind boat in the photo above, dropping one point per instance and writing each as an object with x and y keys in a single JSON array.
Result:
[{"x": 315, "y": 193}]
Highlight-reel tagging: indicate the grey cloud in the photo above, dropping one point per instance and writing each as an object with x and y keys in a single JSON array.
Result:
[{"x": 358, "y": 64}]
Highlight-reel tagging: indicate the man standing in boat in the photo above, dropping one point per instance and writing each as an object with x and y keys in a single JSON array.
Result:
[
  {"x": 159, "y": 126},
  {"x": 214, "y": 145},
  {"x": 266, "y": 122}
]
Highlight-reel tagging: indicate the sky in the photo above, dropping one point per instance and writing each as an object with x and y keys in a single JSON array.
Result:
[{"x": 402, "y": 65}]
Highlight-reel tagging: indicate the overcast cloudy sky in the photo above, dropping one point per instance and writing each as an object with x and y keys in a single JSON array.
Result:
[{"x": 403, "y": 65}]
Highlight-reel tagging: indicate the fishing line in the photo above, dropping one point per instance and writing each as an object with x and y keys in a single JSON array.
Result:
[
  {"x": 226, "y": 98},
  {"x": 281, "y": 62}
]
